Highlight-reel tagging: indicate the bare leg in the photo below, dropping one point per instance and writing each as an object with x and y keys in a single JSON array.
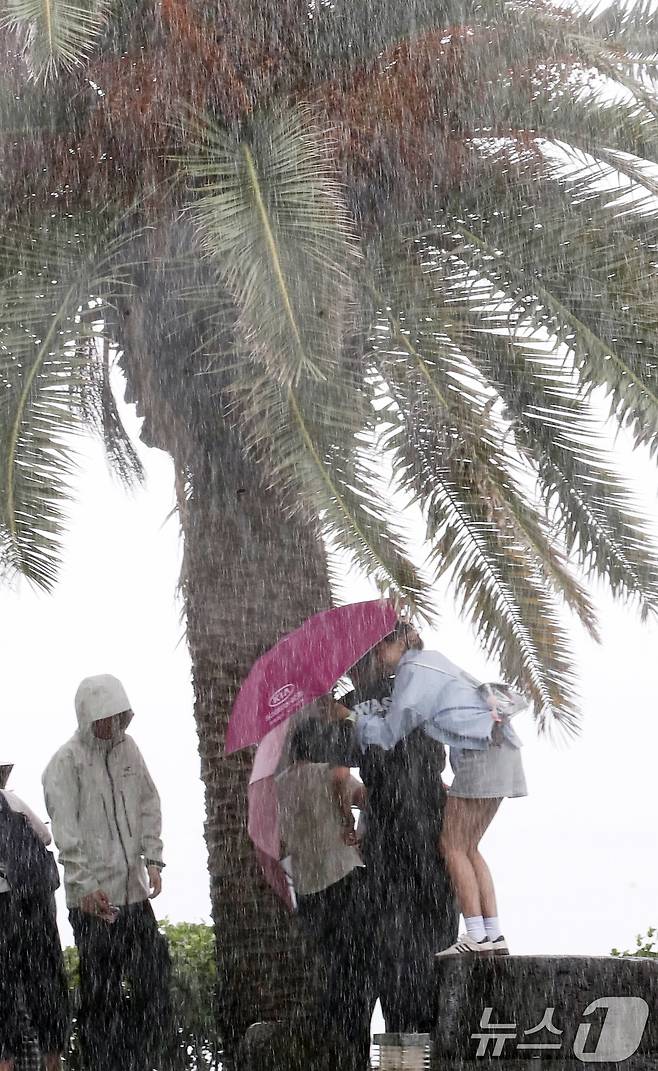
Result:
[
  {"x": 484, "y": 878},
  {"x": 52, "y": 1061},
  {"x": 463, "y": 877},
  {"x": 485, "y": 885},
  {"x": 6, "y": 1065},
  {"x": 465, "y": 822}
]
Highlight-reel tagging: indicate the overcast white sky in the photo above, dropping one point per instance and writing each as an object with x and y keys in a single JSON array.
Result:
[{"x": 575, "y": 863}]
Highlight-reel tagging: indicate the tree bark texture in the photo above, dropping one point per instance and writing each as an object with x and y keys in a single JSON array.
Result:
[{"x": 250, "y": 574}]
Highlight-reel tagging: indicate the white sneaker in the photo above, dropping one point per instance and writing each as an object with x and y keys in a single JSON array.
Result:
[
  {"x": 500, "y": 946},
  {"x": 466, "y": 946}
]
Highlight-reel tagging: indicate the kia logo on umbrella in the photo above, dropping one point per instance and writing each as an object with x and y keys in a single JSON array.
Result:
[
  {"x": 281, "y": 694},
  {"x": 286, "y": 699}
]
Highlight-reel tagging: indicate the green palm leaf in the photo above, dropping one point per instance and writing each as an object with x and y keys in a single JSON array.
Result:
[
  {"x": 498, "y": 585},
  {"x": 100, "y": 414},
  {"x": 443, "y": 384},
  {"x": 56, "y": 34},
  {"x": 556, "y": 275},
  {"x": 588, "y": 500},
  {"x": 52, "y": 285},
  {"x": 270, "y": 213},
  {"x": 271, "y": 219},
  {"x": 309, "y": 440},
  {"x": 601, "y": 265},
  {"x": 450, "y": 457}
]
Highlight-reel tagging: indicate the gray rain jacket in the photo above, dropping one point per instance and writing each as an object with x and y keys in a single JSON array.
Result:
[{"x": 104, "y": 807}]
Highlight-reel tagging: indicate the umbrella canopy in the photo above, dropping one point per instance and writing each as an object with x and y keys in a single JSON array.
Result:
[
  {"x": 271, "y": 759},
  {"x": 263, "y": 823},
  {"x": 305, "y": 665}
]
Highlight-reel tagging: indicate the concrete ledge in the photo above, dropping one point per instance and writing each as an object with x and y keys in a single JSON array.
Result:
[
  {"x": 636, "y": 1063},
  {"x": 605, "y": 1013}
]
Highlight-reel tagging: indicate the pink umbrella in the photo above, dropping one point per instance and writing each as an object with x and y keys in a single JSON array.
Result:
[
  {"x": 263, "y": 812},
  {"x": 305, "y": 665},
  {"x": 263, "y": 824}
]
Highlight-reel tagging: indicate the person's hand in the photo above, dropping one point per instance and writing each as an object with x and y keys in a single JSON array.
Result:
[
  {"x": 339, "y": 711},
  {"x": 350, "y": 838},
  {"x": 155, "y": 881},
  {"x": 97, "y": 903},
  {"x": 348, "y": 831}
]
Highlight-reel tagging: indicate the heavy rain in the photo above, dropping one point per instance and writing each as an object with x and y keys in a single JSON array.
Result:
[{"x": 328, "y": 535}]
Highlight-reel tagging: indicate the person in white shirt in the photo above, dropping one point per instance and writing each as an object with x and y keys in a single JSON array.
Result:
[
  {"x": 317, "y": 827},
  {"x": 32, "y": 975}
]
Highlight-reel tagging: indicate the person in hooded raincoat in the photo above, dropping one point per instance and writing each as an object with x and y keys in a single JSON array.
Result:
[
  {"x": 33, "y": 985},
  {"x": 106, "y": 823}
]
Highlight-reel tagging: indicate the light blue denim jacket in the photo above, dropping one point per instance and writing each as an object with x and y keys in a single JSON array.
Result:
[{"x": 434, "y": 694}]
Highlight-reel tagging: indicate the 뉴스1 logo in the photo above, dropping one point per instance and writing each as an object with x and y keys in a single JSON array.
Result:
[
  {"x": 281, "y": 694},
  {"x": 620, "y": 1037},
  {"x": 623, "y": 1029}
]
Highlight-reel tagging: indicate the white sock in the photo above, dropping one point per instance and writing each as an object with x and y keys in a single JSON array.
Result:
[
  {"x": 492, "y": 927},
  {"x": 475, "y": 927}
]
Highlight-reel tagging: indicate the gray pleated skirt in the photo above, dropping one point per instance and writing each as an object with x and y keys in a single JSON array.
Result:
[{"x": 493, "y": 773}]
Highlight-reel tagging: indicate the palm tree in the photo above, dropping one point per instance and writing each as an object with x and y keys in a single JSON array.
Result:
[{"x": 328, "y": 240}]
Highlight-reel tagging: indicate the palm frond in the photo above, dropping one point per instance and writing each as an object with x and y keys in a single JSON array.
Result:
[
  {"x": 497, "y": 584},
  {"x": 272, "y": 217},
  {"x": 611, "y": 40},
  {"x": 52, "y": 284},
  {"x": 55, "y": 34},
  {"x": 538, "y": 73},
  {"x": 619, "y": 21},
  {"x": 272, "y": 221},
  {"x": 475, "y": 339},
  {"x": 443, "y": 387},
  {"x": 100, "y": 413},
  {"x": 309, "y": 440},
  {"x": 449, "y": 456},
  {"x": 588, "y": 501},
  {"x": 565, "y": 276},
  {"x": 598, "y": 262},
  {"x": 589, "y": 117}
]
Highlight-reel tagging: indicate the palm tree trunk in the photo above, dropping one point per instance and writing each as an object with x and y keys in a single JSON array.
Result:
[{"x": 250, "y": 574}]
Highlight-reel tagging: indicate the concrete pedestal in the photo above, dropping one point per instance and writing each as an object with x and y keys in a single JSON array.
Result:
[
  {"x": 512, "y": 1013},
  {"x": 568, "y": 1012}
]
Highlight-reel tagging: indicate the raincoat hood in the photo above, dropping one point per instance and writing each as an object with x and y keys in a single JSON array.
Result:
[
  {"x": 100, "y": 697},
  {"x": 104, "y": 807}
]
